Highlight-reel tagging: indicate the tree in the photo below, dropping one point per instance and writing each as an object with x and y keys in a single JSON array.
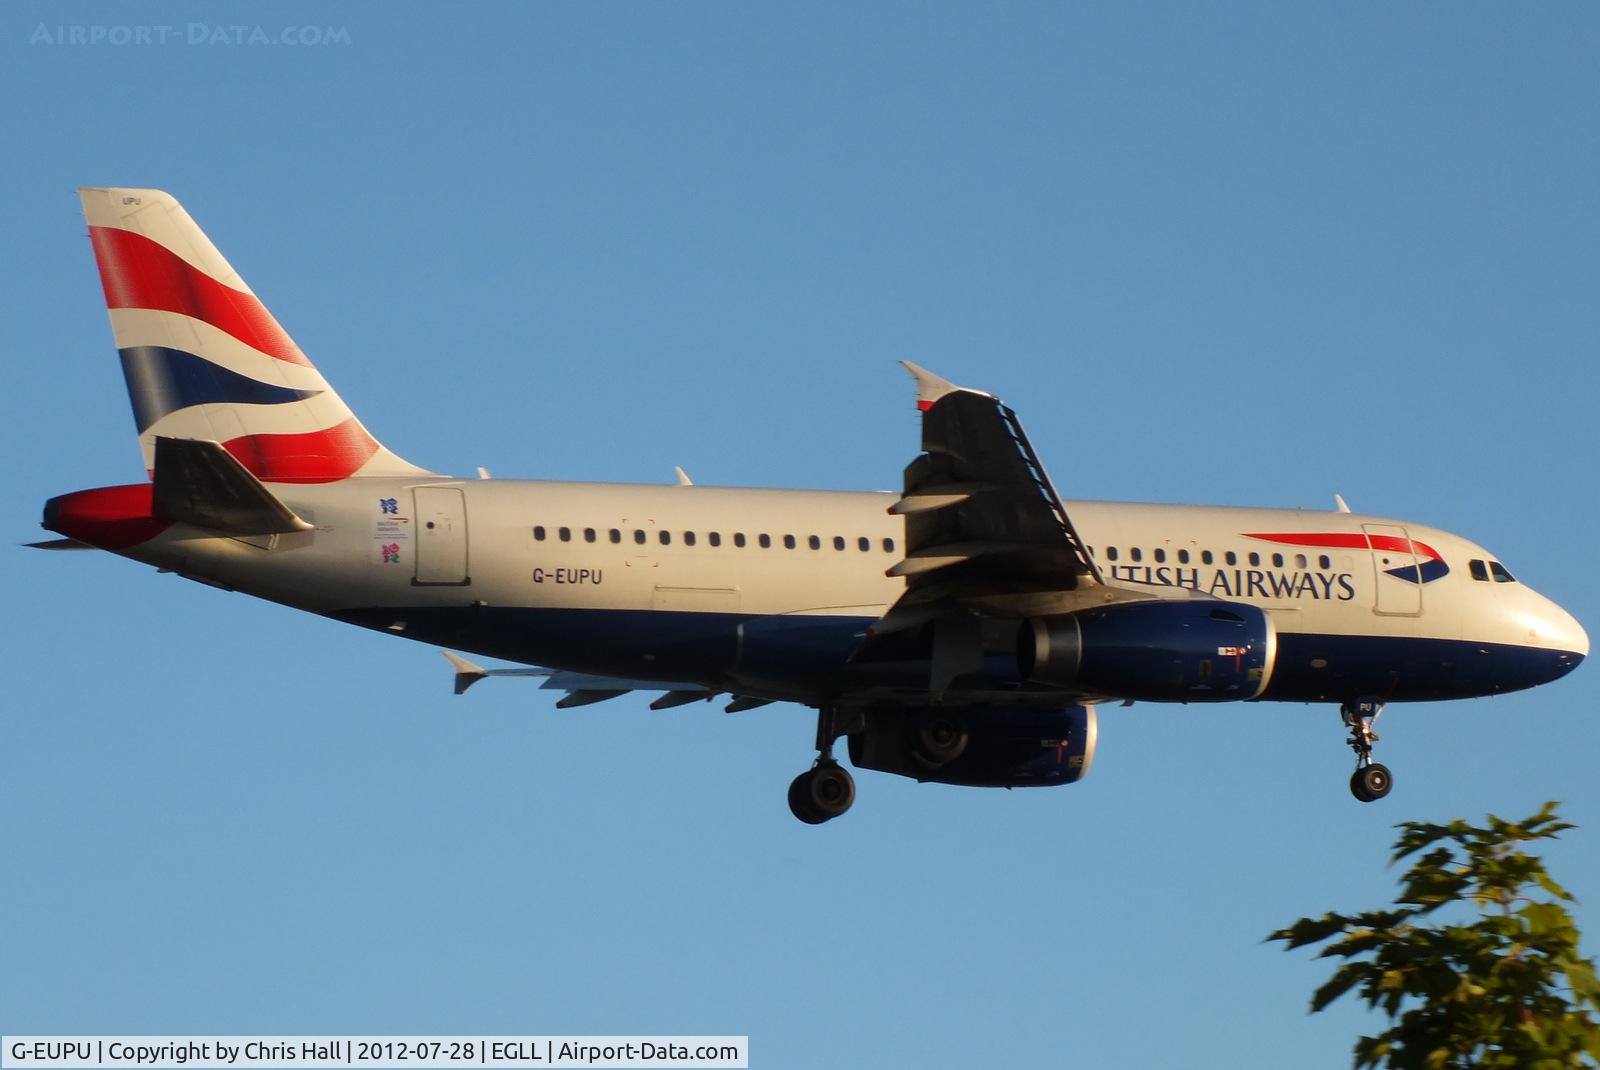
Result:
[{"x": 1509, "y": 989}]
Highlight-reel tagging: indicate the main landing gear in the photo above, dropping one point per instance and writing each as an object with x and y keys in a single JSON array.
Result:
[
  {"x": 827, "y": 789},
  {"x": 1371, "y": 781}
]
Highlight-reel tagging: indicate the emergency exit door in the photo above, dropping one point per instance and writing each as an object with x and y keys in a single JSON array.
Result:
[{"x": 441, "y": 536}]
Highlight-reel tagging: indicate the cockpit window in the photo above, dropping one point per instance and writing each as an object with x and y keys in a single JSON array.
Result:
[
  {"x": 1479, "y": 570},
  {"x": 1500, "y": 574}
]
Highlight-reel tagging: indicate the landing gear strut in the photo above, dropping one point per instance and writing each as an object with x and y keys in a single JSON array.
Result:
[
  {"x": 827, "y": 789},
  {"x": 1371, "y": 781}
]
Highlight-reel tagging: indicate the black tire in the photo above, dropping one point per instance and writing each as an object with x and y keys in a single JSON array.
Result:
[
  {"x": 1376, "y": 781},
  {"x": 940, "y": 738},
  {"x": 831, "y": 790},
  {"x": 800, "y": 800},
  {"x": 1358, "y": 787}
]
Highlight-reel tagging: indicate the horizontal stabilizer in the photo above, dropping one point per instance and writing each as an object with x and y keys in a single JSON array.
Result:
[{"x": 200, "y": 483}]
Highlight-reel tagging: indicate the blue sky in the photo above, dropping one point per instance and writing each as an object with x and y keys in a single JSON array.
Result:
[{"x": 1246, "y": 254}]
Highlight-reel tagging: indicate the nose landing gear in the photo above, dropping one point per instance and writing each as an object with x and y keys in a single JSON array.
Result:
[{"x": 1371, "y": 781}]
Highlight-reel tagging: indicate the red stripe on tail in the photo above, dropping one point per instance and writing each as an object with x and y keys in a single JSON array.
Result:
[
  {"x": 139, "y": 273},
  {"x": 315, "y": 457}
]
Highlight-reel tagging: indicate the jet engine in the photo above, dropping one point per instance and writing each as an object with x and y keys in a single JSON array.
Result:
[
  {"x": 984, "y": 746},
  {"x": 1204, "y": 650}
]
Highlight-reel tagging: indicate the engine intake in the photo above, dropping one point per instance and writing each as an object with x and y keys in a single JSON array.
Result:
[{"x": 1190, "y": 651}]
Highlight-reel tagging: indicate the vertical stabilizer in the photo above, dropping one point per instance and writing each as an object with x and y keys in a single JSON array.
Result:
[{"x": 203, "y": 357}]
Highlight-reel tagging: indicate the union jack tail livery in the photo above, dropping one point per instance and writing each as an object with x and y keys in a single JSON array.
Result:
[{"x": 203, "y": 357}]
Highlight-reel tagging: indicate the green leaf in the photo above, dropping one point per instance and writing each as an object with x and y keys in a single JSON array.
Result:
[{"x": 1477, "y": 964}]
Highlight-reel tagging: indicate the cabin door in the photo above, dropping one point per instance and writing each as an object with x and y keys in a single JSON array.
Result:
[{"x": 441, "y": 536}]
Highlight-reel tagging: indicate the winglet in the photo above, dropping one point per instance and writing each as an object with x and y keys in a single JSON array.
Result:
[
  {"x": 930, "y": 388},
  {"x": 467, "y": 673}
]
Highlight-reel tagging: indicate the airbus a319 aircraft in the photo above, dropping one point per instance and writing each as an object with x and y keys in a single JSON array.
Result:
[{"x": 963, "y": 631}]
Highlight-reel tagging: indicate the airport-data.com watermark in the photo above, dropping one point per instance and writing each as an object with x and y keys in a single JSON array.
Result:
[{"x": 187, "y": 35}]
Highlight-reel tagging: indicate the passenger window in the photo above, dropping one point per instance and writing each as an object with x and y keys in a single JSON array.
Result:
[
  {"x": 814, "y": 542},
  {"x": 1136, "y": 554},
  {"x": 588, "y": 534},
  {"x": 888, "y": 546},
  {"x": 665, "y": 537},
  {"x": 616, "y": 536},
  {"x": 864, "y": 544},
  {"x": 1300, "y": 561},
  {"x": 1205, "y": 557},
  {"x": 1255, "y": 558},
  {"x": 1231, "y": 558},
  {"x": 788, "y": 542},
  {"x": 1500, "y": 574},
  {"x": 638, "y": 536},
  {"x": 1277, "y": 560},
  {"x": 838, "y": 542},
  {"x": 1161, "y": 556},
  {"x": 765, "y": 540},
  {"x": 1324, "y": 562},
  {"x": 688, "y": 538},
  {"x": 538, "y": 533},
  {"x": 1183, "y": 557},
  {"x": 715, "y": 538},
  {"x": 1111, "y": 553},
  {"x": 1479, "y": 570},
  {"x": 738, "y": 539},
  {"x": 564, "y": 534}
]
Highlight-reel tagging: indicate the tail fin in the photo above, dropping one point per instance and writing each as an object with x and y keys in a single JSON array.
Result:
[{"x": 204, "y": 359}]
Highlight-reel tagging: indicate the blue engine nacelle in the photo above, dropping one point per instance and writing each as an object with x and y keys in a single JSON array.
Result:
[
  {"x": 978, "y": 746},
  {"x": 1200, "y": 650}
]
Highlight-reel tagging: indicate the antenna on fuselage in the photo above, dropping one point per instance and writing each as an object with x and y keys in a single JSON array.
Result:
[
  {"x": 683, "y": 477},
  {"x": 1338, "y": 499}
]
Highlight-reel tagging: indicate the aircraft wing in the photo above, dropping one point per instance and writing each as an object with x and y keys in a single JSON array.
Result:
[
  {"x": 987, "y": 537},
  {"x": 985, "y": 529},
  {"x": 583, "y": 689}
]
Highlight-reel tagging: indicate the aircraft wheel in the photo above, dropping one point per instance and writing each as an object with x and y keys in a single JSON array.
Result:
[
  {"x": 800, "y": 800},
  {"x": 940, "y": 739},
  {"x": 1371, "y": 782},
  {"x": 831, "y": 791},
  {"x": 1377, "y": 780}
]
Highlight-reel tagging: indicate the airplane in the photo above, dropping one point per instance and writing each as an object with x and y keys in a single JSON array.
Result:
[{"x": 963, "y": 631}]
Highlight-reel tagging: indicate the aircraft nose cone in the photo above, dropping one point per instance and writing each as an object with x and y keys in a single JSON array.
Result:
[
  {"x": 1563, "y": 638},
  {"x": 1568, "y": 634}
]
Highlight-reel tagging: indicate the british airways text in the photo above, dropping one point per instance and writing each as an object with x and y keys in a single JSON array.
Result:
[{"x": 1243, "y": 582}]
